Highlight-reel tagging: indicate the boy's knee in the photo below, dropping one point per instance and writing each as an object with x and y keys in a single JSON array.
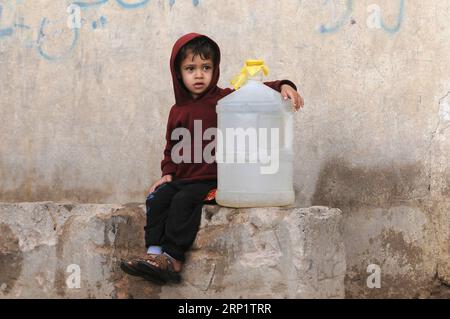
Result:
[{"x": 149, "y": 198}]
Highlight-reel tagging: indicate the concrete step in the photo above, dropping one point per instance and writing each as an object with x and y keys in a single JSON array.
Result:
[{"x": 65, "y": 250}]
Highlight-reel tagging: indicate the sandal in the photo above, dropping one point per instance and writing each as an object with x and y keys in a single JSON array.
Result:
[
  {"x": 160, "y": 268},
  {"x": 131, "y": 266}
]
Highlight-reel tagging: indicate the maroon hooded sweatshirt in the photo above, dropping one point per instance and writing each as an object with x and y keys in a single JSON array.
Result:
[{"x": 187, "y": 109}]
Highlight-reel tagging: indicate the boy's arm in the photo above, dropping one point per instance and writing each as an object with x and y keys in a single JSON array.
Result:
[
  {"x": 276, "y": 85},
  {"x": 168, "y": 167}
]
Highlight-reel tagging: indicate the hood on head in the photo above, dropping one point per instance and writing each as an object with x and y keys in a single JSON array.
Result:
[{"x": 182, "y": 96}]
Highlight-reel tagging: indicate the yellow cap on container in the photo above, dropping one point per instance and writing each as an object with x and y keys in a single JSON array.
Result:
[{"x": 251, "y": 67}]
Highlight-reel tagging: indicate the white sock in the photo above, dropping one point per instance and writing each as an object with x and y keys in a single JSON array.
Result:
[{"x": 154, "y": 250}]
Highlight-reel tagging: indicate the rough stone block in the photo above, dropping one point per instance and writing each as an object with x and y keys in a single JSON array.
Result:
[{"x": 245, "y": 253}]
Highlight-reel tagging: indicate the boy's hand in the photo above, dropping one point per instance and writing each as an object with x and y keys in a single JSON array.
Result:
[
  {"x": 288, "y": 91},
  {"x": 162, "y": 180}
]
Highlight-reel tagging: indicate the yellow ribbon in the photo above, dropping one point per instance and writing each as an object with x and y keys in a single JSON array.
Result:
[{"x": 251, "y": 67}]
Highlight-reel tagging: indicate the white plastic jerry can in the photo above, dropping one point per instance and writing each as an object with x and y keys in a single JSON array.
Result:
[{"x": 254, "y": 143}]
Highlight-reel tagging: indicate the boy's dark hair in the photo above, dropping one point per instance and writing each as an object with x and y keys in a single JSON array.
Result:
[{"x": 199, "y": 46}]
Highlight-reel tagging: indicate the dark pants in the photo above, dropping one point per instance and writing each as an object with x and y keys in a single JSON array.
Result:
[{"x": 173, "y": 215}]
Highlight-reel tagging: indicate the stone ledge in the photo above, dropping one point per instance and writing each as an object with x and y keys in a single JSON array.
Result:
[{"x": 238, "y": 253}]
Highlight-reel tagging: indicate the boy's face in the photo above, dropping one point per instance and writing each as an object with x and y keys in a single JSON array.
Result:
[{"x": 196, "y": 73}]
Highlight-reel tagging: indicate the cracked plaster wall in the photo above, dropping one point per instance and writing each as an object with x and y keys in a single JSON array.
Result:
[{"x": 83, "y": 113}]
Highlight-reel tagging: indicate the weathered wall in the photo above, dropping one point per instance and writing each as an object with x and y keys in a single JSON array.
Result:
[{"x": 83, "y": 111}]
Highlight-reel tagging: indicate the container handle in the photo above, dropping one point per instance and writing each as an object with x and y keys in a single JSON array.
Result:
[{"x": 288, "y": 125}]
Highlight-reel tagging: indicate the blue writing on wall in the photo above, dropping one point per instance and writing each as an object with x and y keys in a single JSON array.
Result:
[
  {"x": 4, "y": 32},
  {"x": 396, "y": 28},
  {"x": 41, "y": 41},
  {"x": 340, "y": 22},
  {"x": 345, "y": 16},
  {"x": 44, "y": 40}
]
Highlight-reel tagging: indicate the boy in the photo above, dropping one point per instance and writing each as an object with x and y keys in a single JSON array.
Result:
[{"x": 175, "y": 201}]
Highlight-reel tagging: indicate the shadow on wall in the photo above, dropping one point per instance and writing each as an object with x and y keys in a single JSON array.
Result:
[
  {"x": 388, "y": 221},
  {"x": 343, "y": 185}
]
